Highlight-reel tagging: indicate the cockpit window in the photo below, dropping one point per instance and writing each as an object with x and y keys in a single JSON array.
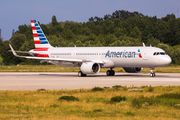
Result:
[{"x": 159, "y": 53}]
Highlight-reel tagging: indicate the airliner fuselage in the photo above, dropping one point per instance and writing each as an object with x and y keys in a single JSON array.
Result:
[
  {"x": 111, "y": 56},
  {"x": 91, "y": 59}
]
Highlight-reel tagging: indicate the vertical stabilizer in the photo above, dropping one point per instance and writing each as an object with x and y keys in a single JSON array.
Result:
[{"x": 40, "y": 39}]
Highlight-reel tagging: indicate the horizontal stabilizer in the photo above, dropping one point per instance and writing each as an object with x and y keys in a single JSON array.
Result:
[{"x": 21, "y": 52}]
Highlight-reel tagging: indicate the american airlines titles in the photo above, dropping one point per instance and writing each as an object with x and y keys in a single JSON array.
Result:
[{"x": 124, "y": 54}]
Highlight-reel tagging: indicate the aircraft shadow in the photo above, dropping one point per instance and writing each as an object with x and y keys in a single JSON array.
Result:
[{"x": 96, "y": 75}]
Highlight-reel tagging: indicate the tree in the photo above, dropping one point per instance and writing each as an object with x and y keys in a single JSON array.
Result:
[
  {"x": 45, "y": 29},
  {"x": 61, "y": 41},
  {"x": 176, "y": 56},
  {"x": 97, "y": 30},
  {"x": 119, "y": 32},
  {"x": 166, "y": 48},
  {"x": 99, "y": 44},
  {"x": 54, "y": 41},
  {"x": 79, "y": 44},
  {"x": 160, "y": 30},
  {"x": 67, "y": 34},
  {"x": 1, "y": 44},
  {"x": 153, "y": 41},
  {"x": 116, "y": 43},
  {"x": 54, "y": 21},
  {"x": 71, "y": 44},
  {"x": 135, "y": 33},
  {"x": 8, "y": 57},
  {"x": 28, "y": 45},
  {"x": 100, "y": 39},
  {"x": 110, "y": 38},
  {"x": 87, "y": 44},
  {"x": 86, "y": 31},
  {"x": 129, "y": 41},
  {"x": 18, "y": 40}
]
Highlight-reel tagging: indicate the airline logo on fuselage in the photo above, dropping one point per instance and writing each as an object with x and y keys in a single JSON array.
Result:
[{"x": 123, "y": 54}]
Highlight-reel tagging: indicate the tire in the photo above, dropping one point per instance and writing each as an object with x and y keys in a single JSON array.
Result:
[
  {"x": 112, "y": 72},
  {"x": 84, "y": 75},
  {"x": 153, "y": 75},
  {"x": 80, "y": 74},
  {"x": 108, "y": 72}
]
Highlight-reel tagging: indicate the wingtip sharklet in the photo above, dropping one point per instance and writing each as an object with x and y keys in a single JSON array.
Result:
[{"x": 13, "y": 50}]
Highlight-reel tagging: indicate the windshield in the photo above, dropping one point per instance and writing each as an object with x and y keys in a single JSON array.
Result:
[{"x": 159, "y": 53}]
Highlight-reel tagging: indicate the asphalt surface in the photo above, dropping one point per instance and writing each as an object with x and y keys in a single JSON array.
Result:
[{"x": 53, "y": 80}]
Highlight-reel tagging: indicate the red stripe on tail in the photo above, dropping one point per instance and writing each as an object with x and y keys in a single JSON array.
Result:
[
  {"x": 37, "y": 42},
  {"x": 35, "y": 35},
  {"x": 33, "y": 28},
  {"x": 41, "y": 55},
  {"x": 41, "y": 49}
]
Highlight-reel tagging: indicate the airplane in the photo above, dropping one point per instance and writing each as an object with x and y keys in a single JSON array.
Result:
[{"x": 91, "y": 59}]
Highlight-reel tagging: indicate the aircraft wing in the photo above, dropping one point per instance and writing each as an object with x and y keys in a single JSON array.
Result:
[{"x": 55, "y": 59}]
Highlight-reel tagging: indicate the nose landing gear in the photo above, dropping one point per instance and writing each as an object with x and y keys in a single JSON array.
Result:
[{"x": 152, "y": 72}]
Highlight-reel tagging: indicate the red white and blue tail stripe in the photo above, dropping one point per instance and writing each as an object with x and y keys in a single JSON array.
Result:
[{"x": 40, "y": 39}]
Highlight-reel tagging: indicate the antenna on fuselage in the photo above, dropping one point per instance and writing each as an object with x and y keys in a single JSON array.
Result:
[
  {"x": 150, "y": 45},
  {"x": 144, "y": 45}
]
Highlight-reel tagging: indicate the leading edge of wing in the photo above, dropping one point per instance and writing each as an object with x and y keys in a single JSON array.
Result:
[{"x": 56, "y": 59}]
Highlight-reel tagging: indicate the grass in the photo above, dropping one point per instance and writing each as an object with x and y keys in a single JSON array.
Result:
[
  {"x": 161, "y": 103},
  {"x": 54, "y": 68}
]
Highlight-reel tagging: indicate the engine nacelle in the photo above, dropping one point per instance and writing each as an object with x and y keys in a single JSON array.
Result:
[
  {"x": 90, "y": 68},
  {"x": 132, "y": 69}
]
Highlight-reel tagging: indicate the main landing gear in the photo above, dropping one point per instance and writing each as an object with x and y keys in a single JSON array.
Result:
[
  {"x": 152, "y": 73},
  {"x": 110, "y": 72},
  {"x": 80, "y": 74}
]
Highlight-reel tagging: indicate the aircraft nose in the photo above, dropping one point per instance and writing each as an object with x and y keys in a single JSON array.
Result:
[{"x": 167, "y": 60}]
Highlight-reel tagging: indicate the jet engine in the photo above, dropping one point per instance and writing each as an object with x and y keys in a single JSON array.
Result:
[
  {"x": 132, "y": 69},
  {"x": 90, "y": 68}
]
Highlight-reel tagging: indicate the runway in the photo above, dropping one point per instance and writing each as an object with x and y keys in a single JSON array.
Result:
[{"x": 53, "y": 80}]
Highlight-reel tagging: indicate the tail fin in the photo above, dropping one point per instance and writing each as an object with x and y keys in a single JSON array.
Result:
[{"x": 40, "y": 39}]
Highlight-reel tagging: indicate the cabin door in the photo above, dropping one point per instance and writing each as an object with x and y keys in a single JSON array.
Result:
[{"x": 145, "y": 54}]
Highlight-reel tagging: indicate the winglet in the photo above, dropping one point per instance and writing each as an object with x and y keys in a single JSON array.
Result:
[
  {"x": 14, "y": 53},
  {"x": 144, "y": 45}
]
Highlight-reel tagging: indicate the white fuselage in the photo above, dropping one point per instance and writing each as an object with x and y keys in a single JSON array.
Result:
[{"x": 111, "y": 56}]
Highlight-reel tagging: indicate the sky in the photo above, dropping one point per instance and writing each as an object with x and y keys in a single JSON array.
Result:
[{"x": 18, "y": 12}]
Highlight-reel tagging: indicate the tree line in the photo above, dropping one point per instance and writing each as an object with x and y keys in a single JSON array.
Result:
[{"x": 122, "y": 28}]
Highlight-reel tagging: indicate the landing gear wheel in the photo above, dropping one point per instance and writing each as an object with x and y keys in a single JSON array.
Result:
[
  {"x": 80, "y": 74},
  {"x": 153, "y": 74},
  {"x": 110, "y": 73}
]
